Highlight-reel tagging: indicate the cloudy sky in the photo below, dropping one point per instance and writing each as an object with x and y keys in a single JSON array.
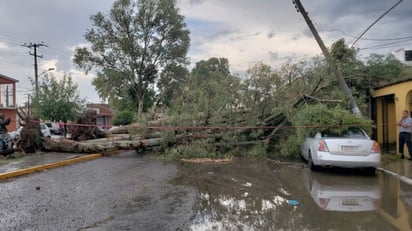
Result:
[{"x": 243, "y": 31}]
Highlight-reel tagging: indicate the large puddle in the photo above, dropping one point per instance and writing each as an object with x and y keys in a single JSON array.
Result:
[{"x": 259, "y": 195}]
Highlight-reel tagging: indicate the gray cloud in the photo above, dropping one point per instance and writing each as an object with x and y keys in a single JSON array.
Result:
[{"x": 250, "y": 28}]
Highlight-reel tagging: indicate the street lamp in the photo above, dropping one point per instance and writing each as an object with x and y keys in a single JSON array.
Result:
[{"x": 36, "y": 82}]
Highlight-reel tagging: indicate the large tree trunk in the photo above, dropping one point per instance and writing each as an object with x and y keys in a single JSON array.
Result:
[
  {"x": 140, "y": 101},
  {"x": 64, "y": 145},
  {"x": 120, "y": 139}
]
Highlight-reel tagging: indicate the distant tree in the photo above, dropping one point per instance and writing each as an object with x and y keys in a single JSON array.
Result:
[
  {"x": 169, "y": 85},
  {"x": 127, "y": 100},
  {"x": 130, "y": 46},
  {"x": 58, "y": 100},
  {"x": 260, "y": 86},
  {"x": 213, "y": 67},
  {"x": 209, "y": 92},
  {"x": 362, "y": 76},
  {"x": 366, "y": 74},
  {"x": 342, "y": 54}
]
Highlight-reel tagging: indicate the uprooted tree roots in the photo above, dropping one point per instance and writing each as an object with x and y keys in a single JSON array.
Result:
[{"x": 30, "y": 139}]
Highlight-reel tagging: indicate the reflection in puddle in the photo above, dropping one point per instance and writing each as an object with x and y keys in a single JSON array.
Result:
[
  {"x": 343, "y": 192},
  {"x": 406, "y": 198},
  {"x": 237, "y": 196},
  {"x": 396, "y": 203},
  {"x": 257, "y": 195}
]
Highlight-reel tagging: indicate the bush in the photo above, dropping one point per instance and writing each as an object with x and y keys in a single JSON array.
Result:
[{"x": 123, "y": 118}]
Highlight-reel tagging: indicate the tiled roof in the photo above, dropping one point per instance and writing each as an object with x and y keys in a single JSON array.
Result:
[
  {"x": 6, "y": 79},
  {"x": 103, "y": 109}
]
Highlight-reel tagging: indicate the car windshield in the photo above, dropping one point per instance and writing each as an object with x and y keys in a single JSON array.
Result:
[{"x": 350, "y": 133}]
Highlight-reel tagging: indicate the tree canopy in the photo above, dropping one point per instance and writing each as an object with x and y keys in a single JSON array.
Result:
[
  {"x": 209, "y": 92},
  {"x": 272, "y": 104},
  {"x": 59, "y": 100},
  {"x": 132, "y": 45}
]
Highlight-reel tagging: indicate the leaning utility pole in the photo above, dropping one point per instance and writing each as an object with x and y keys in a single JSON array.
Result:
[
  {"x": 338, "y": 74},
  {"x": 36, "y": 81}
]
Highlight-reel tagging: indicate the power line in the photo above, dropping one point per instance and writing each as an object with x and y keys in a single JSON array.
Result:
[
  {"x": 15, "y": 41},
  {"x": 376, "y": 21},
  {"x": 62, "y": 52},
  {"x": 10, "y": 39},
  {"x": 370, "y": 39},
  {"x": 387, "y": 45}
]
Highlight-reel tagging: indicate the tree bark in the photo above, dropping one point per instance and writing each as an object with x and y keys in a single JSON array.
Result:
[{"x": 64, "y": 145}]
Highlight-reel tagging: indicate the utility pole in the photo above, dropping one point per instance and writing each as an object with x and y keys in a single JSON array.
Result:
[
  {"x": 338, "y": 74},
  {"x": 35, "y": 103},
  {"x": 36, "y": 80}
]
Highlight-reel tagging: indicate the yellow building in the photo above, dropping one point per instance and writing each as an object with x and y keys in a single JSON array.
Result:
[{"x": 388, "y": 103}]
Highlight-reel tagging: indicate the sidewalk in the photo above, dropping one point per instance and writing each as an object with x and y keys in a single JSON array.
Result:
[{"x": 39, "y": 162}]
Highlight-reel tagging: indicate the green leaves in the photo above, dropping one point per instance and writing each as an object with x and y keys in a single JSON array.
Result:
[
  {"x": 131, "y": 45},
  {"x": 59, "y": 99},
  {"x": 320, "y": 117},
  {"x": 123, "y": 118}
]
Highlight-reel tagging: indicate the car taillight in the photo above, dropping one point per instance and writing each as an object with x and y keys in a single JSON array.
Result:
[
  {"x": 376, "y": 148},
  {"x": 322, "y": 146}
]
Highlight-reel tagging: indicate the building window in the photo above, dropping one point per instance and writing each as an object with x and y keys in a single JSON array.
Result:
[
  {"x": 6, "y": 95},
  {"x": 408, "y": 55}
]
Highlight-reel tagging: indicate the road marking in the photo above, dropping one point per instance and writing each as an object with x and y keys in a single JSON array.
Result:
[{"x": 43, "y": 167}]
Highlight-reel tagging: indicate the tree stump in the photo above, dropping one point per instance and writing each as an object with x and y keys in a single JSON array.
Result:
[{"x": 30, "y": 139}]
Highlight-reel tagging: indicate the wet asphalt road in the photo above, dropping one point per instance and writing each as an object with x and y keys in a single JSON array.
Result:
[
  {"x": 121, "y": 192},
  {"x": 128, "y": 192}
]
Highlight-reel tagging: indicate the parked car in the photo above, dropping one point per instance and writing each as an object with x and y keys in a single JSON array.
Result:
[
  {"x": 6, "y": 144},
  {"x": 54, "y": 130},
  {"x": 15, "y": 135},
  {"x": 45, "y": 130},
  {"x": 350, "y": 149}
]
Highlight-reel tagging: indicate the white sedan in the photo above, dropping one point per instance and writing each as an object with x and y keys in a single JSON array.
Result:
[
  {"x": 15, "y": 135},
  {"x": 351, "y": 149}
]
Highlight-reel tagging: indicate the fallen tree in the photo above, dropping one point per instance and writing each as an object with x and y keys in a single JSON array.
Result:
[
  {"x": 31, "y": 138},
  {"x": 65, "y": 145}
]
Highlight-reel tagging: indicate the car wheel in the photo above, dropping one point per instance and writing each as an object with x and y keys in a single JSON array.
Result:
[{"x": 311, "y": 165}]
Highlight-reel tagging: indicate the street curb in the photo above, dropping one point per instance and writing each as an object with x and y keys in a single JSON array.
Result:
[
  {"x": 397, "y": 176},
  {"x": 43, "y": 167}
]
